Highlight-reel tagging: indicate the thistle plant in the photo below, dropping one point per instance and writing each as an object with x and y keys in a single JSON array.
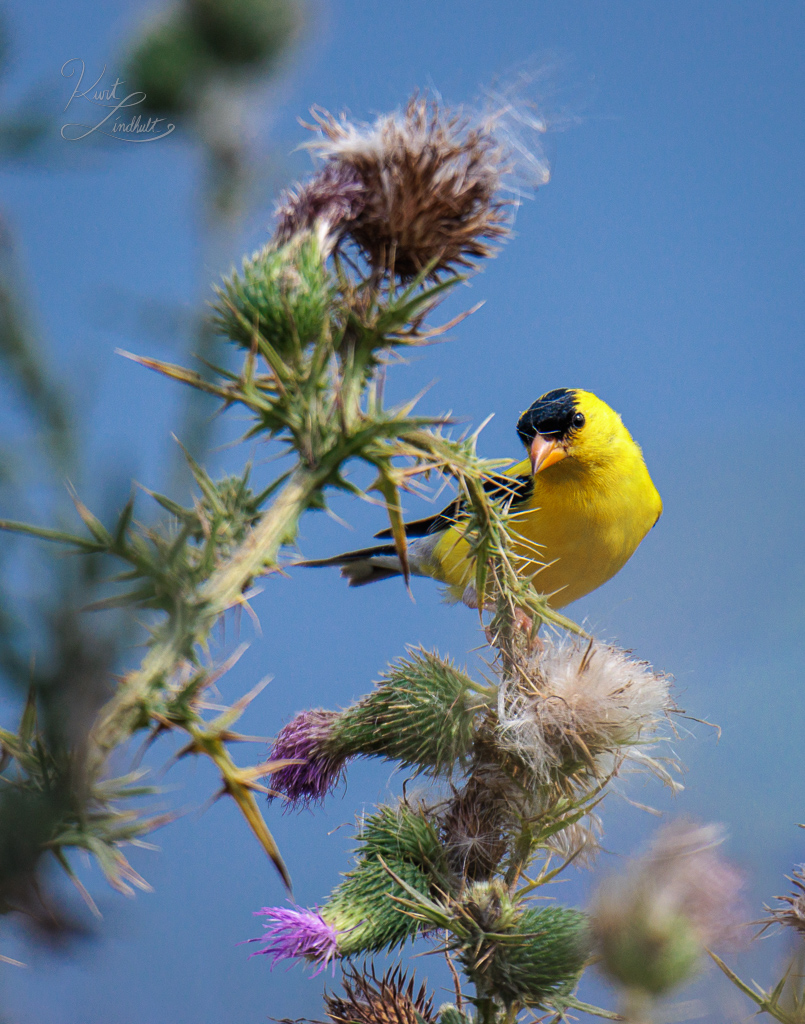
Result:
[
  {"x": 514, "y": 758},
  {"x": 513, "y": 789}
]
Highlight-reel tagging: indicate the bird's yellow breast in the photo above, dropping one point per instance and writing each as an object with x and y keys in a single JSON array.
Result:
[{"x": 579, "y": 527}]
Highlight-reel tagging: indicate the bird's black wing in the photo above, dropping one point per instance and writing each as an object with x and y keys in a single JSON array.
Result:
[{"x": 511, "y": 490}]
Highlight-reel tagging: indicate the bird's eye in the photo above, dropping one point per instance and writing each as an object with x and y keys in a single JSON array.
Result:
[{"x": 578, "y": 420}]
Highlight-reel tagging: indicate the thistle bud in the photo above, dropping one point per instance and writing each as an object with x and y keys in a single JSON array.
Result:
[
  {"x": 651, "y": 923},
  {"x": 283, "y": 295},
  {"x": 421, "y": 714},
  {"x": 449, "y": 1014},
  {"x": 403, "y": 833},
  {"x": 363, "y": 915},
  {"x": 169, "y": 65},
  {"x": 366, "y": 908},
  {"x": 520, "y": 956},
  {"x": 244, "y": 31}
]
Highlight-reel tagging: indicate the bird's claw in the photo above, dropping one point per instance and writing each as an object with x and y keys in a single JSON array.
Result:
[
  {"x": 523, "y": 623},
  {"x": 526, "y": 624}
]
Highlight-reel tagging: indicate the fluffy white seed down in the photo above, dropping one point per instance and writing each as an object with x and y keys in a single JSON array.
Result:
[
  {"x": 579, "y": 841},
  {"x": 588, "y": 703}
]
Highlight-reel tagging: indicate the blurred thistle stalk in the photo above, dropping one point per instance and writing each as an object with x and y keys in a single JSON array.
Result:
[
  {"x": 517, "y": 764},
  {"x": 196, "y": 64}
]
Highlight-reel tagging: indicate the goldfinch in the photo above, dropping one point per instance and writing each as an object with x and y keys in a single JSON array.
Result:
[{"x": 583, "y": 500}]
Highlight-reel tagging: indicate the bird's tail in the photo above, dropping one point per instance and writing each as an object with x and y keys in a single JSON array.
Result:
[{"x": 365, "y": 566}]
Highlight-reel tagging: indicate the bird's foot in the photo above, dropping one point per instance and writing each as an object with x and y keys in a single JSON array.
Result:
[{"x": 523, "y": 623}]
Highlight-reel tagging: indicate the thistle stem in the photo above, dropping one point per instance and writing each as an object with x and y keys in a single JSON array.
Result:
[
  {"x": 483, "y": 691},
  {"x": 191, "y": 625},
  {"x": 635, "y": 1006},
  {"x": 276, "y": 527},
  {"x": 487, "y": 1010}
]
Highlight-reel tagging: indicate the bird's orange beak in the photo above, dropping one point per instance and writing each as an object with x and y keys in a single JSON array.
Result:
[{"x": 545, "y": 451}]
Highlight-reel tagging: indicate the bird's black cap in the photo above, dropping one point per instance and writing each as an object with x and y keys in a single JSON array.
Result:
[{"x": 551, "y": 414}]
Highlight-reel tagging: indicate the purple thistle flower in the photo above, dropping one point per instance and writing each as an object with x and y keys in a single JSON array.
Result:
[
  {"x": 298, "y": 934},
  {"x": 306, "y": 738},
  {"x": 329, "y": 201}
]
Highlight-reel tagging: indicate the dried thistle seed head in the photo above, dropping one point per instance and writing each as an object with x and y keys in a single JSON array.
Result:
[
  {"x": 283, "y": 295},
  {"x": 308, "y": 739},
  {"x": 475, "y": 826},
  {"x": 414, "y": 190},
  {"x": 651, "y": 922},
  {"x": 581, "y": 708},
  {"x": 791, "y": 912},
  {"x": 391, "y": 999}
]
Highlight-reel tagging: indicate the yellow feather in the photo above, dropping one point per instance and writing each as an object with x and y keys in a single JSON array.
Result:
[{"x": 585, "y": 519}]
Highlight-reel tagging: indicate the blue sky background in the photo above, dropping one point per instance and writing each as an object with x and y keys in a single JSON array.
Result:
[{"x": 662, "y": 268}]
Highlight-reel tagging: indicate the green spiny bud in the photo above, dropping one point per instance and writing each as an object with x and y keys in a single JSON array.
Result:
[
  {"x": 520, "y": 956},
  {"x": 403, "y": 834},
  {"x": 229, "y": 512},
  {"x": 651, "y": 922},
  {"x": 169, "y": 65},
  {"x": 652, "y": 955},
  {"x": 245, "y": 31},
  {"x": 488, "y": 907},
  {"x": 449, "y": 1014},
  {"x": 284, "y": 293},
  {"x": 365, "y": 908},
  {"x": 422, "y": 714}
]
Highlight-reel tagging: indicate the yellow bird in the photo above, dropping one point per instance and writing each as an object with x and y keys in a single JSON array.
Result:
[{"x": 583, "y": 500}]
